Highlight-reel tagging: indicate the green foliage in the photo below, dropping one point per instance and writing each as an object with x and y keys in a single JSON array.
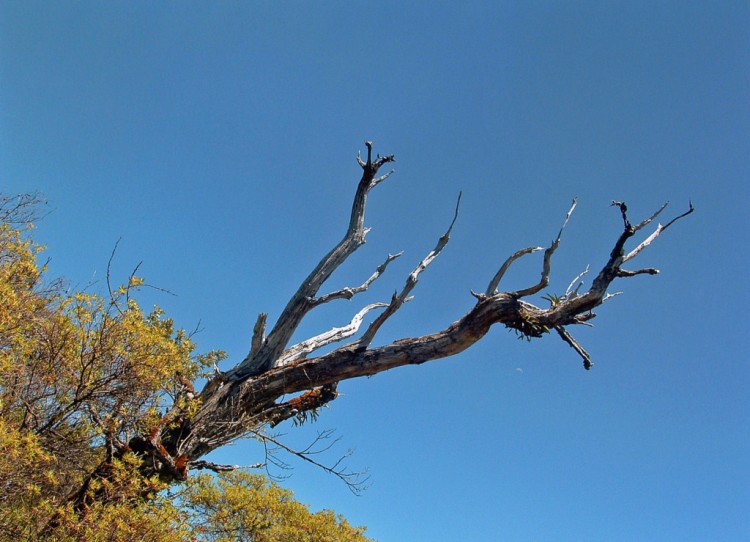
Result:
[
  {"x": 554, "y": 300},
  {"x": 80, "y": 374}
]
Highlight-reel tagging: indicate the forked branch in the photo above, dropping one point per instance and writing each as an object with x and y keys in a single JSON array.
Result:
[
  {"x": 304, "y": 299},
  {"x": 399, "y": 299},
  {"x": 253, "y": 394},
  {"x": 348, "y": 293}
]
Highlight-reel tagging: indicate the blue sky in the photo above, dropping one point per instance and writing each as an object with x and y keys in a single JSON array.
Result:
[{"x": 218, "y": 140}]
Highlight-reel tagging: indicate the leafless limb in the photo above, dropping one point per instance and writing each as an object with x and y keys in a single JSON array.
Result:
[
  {"x": 610, "y": 296},
  {"x": 495, "y": 282},
  {"x": 109, "y": 269},
  {"x": 659, "y": 229},
  {"x": 623, "y": 273},
  {"x": 546, "y": 266},
  {"x": 21, "y": 209},
  {"x": 253, "y": 394},
  {"x": 334, "y": 335},
  {"x": 650, "y": 219},
  {"x": 259, "y": 334},
  {"x": 348, "y": 293},
  {"x": 355, "y": 480},
  {"x": 568, "y": 338},
  {"x": 570, "y": 291},
  {"x": 300, "y": 303},
  {"x": 399, "y": 299}
]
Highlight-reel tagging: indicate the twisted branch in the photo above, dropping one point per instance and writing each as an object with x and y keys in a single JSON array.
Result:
[{"x": 251, "y": 395}]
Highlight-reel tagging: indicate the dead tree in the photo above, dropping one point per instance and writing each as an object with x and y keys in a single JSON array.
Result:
[{"x": 252, "y": 395}]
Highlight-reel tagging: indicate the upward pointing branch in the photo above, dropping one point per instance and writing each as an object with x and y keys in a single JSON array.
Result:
[
  {"x": 302, "y": 301},
  {"x": 253, "y": 394},
  {"x": 399, "y": 299}
]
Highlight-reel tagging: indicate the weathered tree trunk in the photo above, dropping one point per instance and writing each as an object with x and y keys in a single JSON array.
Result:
[{"x": 247, "y": 398}]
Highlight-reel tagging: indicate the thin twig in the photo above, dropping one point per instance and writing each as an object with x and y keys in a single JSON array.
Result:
[
  {"x": 546, "y": 263},
  {"x": 348, "y": 293},
  {"x": 659, "y": 230},
  {"x": 353, "y": 480}
]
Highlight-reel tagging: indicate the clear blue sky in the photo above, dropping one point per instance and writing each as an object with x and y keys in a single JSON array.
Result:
[{"x": 218, "y": 140}]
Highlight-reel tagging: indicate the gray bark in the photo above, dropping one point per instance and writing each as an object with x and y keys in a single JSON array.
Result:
[{"x": 249, "y": 396}]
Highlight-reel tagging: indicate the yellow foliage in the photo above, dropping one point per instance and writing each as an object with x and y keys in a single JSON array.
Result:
[
  {"x": 76, "y": 371},
  {"x": 243, "y": 506},
  {"x": 80, "y": 372}
]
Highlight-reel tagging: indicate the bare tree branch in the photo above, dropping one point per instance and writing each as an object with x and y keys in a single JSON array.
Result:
[
  {"x": 568, "y": 338},
  {"x": 334, "y": 335},
  {"x": 208, "y": 465},
  {"x": 623, "y": 273},
  {"x": 252, "y": 395},
  {"x": 259, "y": 334},
  {"x": 650, "y": 219},
  {"x": 355, "y": 481},
  {"x": 570, "y": 291},
  {"x": 608, "y": 273},
  {"x": 299, "y": 305},
  {"x": 546, "y": 266},
  {"x": 399, "y": 299},
  {"x": 21, "y": 209},
  {"x": 348, "y": 293},
  {"x": 659, "y": 229},
  {"x": 495, "y": 282}
]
